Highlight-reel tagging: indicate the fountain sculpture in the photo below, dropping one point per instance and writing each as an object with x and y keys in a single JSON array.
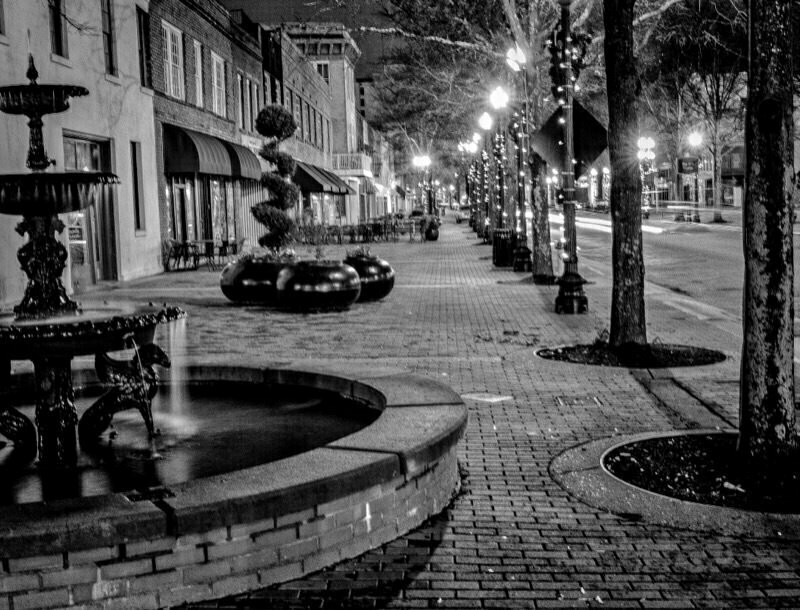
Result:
[{"x": 47, "y": 327}]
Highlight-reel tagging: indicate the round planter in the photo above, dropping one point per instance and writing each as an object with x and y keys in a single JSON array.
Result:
[
  {"x": 252, "y": 280},
  {"x": 318, "y": 286},
  {"x": 431, "y": 233},
  {"x": 377, "y": 276}
]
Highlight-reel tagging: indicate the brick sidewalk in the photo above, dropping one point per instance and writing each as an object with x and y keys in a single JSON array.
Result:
[{"x": 512, "y": 538}]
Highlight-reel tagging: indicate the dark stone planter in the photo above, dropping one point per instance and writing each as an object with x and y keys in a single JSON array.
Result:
[
  {"x": 377, "y": 276},
  {"x": 318, "y": 286},
  {"x": 252, "y": 280},
  {"x": 431, "y": 233}
]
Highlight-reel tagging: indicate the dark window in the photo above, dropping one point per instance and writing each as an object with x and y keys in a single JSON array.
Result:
[
  {"x": 336, "y": 49},
  {"x": 324, "y": 48},
  {"x": 136, "y": 182},
  {"x": 312, "y": 48},
  {"x": 58, "y": 28},
  {"x": 143, "y": 34},
  {"x": 109, "y": 42},
  {"x": 2, "y": 19}
]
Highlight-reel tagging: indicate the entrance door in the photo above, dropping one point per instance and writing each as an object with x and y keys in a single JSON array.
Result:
[
  {"x": 182, "y": 211},
  {"x": 92, "y": 231}
]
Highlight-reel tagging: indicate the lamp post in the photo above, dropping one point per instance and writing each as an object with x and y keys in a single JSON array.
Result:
[
  {"x": 646, "y": 156},
  {"x": 499, "y": 100},
  {"x": 516, "y": 60},
  {"x": 423, "y": 162},
  {"x": 695, "y": 140},
  {"x": 571, "y": 298},
  {"x": 485, "y": 122}
]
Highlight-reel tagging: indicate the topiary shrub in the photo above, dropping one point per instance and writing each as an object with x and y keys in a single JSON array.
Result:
[{"x": 277, "y": 123}]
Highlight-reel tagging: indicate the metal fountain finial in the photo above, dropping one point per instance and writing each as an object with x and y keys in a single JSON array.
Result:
[{"x": 32, "y": 74}]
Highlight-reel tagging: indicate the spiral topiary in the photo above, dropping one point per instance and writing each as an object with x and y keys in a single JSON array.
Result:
[{"x": 277, "y": 123}]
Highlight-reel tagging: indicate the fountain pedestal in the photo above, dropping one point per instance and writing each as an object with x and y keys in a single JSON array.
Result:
[{"x": 48, "y": 327}]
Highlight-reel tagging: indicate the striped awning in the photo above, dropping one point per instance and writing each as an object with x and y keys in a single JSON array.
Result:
[
  {"x": 189, "y": 152},
  {"x": 314, "y": 179}
]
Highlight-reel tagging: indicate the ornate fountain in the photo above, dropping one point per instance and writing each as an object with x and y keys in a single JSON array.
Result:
[{"x": 47, "y": 327}]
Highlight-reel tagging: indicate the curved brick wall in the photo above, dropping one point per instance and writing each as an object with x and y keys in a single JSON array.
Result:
[{"x": 251, "y": 528}]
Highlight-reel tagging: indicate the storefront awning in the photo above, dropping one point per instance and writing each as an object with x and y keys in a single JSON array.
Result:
[
  {"x": 189, "y": 152},
  {"x": 313, "y": 179},
  {"x": 243, "y": 162}
]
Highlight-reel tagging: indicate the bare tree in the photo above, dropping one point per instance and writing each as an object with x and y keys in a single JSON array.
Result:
[
  {"x": 627, "y": 298},
  {"x": 768, "y": 430}
]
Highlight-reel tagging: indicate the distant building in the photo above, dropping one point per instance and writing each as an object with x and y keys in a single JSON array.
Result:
[{"x": 111, "y": 129}]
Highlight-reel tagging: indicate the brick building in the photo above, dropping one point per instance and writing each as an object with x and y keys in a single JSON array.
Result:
[{"x": 205, "y": 70}]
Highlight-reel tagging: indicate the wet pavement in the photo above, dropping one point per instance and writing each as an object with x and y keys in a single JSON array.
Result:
[{"x": 513, "y": 538}]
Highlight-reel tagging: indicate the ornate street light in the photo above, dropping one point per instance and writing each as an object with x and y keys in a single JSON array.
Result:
[
  {"x": 423, "y": 162},
  {"x": 499, "y": 100},
  {"x": 646, "y": 156},
  {"x": 571, "y": 298},
  {"x": 695, "y": 140}
]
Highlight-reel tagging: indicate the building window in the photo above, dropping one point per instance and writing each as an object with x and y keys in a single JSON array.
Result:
[
  {"x": 312, "y": 48},
  {"x": 198, "y": 74},
  {"x": 298, "y": 115},
  {"x": 58, "y": 28},
  {"x": 323, "y": 67},
  {"x": 109, "y": 38},
  {"x": 254, "y": 108},
  {"x": 143, "y": 35},
  {"x": 240, "y": 98},
  {"x": 309, "y": 124},
  {"x": 138, "y": 186},
  {"x": 218, "y": 85},
  {"x": 336, "y": 49},
  {"x": 324, "y": 48},
  {"x": 2, "y": 19},
  {"x": 172, "y": 41}
]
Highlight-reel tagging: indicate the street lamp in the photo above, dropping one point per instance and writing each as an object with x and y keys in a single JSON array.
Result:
[
  {"x": 499, "y": 100},
  {"x": 571, "y": 298},
  {"x": 646, "y": 156},
  {"x": 695, "y": 140},
  {"x": 516, "y": 60},
  {"x": 423, "y": 162}
]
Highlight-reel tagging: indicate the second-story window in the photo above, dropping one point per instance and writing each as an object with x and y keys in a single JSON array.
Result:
[
  {"x": 198, "y": 74},
  {"x": 58, "y": 28},
  {"x": 143, "y": 36},
  {"x": 109, "y": 38},
  {"x": 254, "y": 107},
  {"x": 323, "y": 67},
  {"x": 172, "y": 41},
  {"x": 218, "y": 85},
  {"x": 240, "y": 97},
  {"x": 2, "y": 19}
]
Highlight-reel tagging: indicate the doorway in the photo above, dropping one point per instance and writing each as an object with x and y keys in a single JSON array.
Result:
[{"x": 91, "y": 232}]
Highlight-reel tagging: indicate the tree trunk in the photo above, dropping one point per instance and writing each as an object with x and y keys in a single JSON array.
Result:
[
  {"x": 768, "y": 429},
  {"x": 627, "y": 298},
  {"x": 540, "y": 224}
]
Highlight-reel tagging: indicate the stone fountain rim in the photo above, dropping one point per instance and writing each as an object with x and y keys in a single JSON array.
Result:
[{"x": 421, "y": 420}]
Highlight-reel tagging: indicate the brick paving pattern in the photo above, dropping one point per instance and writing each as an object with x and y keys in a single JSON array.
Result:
[{"x": 512, "y": 538}]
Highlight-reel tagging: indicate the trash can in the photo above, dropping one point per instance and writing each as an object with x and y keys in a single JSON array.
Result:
[{"x": 502, "y": 248}]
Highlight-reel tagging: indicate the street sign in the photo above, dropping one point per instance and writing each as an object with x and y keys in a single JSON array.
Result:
[{"x": 687, "y": 165}]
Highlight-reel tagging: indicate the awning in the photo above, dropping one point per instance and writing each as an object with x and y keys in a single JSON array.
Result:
[
  {"x": 313, "y": 179},
  {"x": 189, "y": 152},
  {"x": 243, "y": 162}
]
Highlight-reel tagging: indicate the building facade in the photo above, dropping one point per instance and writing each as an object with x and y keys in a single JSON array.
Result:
[
  {"x": 111, "y": 129},
  {"x": 205, "y": 71}
]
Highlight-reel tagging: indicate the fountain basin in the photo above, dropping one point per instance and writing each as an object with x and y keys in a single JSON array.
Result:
[
  {"x": 95, "y": 329},
  {"x": 253, "y": 527}
]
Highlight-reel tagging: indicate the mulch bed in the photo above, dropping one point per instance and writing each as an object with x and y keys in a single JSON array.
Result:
[
  {"x": 701, "y": 468},
  {"x": 647, "y": 356}
]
